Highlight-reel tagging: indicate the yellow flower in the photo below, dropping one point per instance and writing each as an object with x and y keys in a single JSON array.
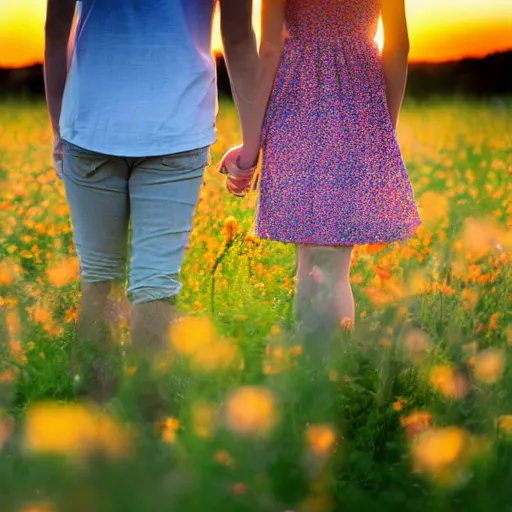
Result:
[
  {"x": 197, "y": 338},
  {"x": 63, "y": 272},
  {"x": 168, "y": 428},
  {"x": 489, "y": 365},
  {"x": 251, "y": 411},
  {"x": 505, "y": 423},
  {"x": 437, "y": 449},
  {"x": 416, "y": 423},
  {"x": 188, "y": 335},
  {"x": 73, "y": 430},
  {"x": 320, "y": 439},
  {"x": 231, "y": 229},
  {"x": 450, "y": 384},
  {"x": 43, "y": 506}
]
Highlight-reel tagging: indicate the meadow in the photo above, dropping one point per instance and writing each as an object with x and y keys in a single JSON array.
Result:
[{"x": 413, "y": 410}]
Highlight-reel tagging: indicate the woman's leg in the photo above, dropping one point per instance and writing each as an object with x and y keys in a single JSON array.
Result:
[{"x": 324, "y": 300}]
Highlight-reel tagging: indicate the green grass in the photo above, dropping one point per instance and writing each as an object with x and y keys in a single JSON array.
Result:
[{"x": 433, "y": 338}]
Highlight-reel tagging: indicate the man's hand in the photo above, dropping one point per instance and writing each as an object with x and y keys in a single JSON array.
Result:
[
  {"x": 57, "y": 155},
  {"x": 238, "y": 180}
]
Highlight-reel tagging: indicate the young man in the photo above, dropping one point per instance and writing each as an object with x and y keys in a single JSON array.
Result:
[{"x": 133, "y": 120}]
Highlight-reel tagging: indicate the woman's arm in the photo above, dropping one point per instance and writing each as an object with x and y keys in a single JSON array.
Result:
[
  {"x": 395, "y": 54},
  {"x": 271, "y": 48}
]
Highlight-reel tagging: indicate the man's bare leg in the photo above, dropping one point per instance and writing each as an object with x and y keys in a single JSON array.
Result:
[{"x": 96, "y": 353}]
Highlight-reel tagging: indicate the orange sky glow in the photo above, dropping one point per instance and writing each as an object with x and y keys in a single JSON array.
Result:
[{"x": 439, "y": 29}]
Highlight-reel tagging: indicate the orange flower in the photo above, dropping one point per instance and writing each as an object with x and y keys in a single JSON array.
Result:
[
  {"x": 489, "y": 365},
  {"x": 416, "y": 423},
  {"x": 231, "y": 229},
  {"x": 449, "y": 383},
  {"x": 251, "y": 411},
  {"x": 320, "y": 439},
  {"x": 438, "y": 449}
]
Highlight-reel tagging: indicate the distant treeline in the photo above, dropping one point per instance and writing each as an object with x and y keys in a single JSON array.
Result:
[{"x": 485, "y": 77}]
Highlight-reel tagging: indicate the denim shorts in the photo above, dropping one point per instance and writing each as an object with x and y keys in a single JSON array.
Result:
[{"x": 157, "y": 194}]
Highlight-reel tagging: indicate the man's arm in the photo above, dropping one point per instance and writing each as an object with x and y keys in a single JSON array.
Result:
[
  {"x": 241, "y": 55},
  {"x": 59, "y": 20}
]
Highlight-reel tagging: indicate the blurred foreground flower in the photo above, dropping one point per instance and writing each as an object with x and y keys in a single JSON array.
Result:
[
  {"x": 63, "y": 272},
  {"x": 320, "y": 439},
  {"x": 443, "y": 454},
  {"x": 231, "y": 229},
  {"x": 489, "y": 365},
  {"x": 481, "y": 236},
  {"x": 197, "y": 338},
  {"x": 251, "y": 411},
  {"x": 505, "y": 423},
  {"x": 73, "y": 430},
  {"x": 416, "y": 423},
  {"x": 167, "y": 429},
  {"x": 451, "y": 384},
  {"x": 46, "y": 506},
  {"x": 437, "y": 449}
]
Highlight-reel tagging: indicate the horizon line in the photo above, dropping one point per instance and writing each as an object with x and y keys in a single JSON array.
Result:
[{"x": 217, "y": 54}]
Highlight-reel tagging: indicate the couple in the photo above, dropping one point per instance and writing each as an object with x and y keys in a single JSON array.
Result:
[{"x": 134, "y": 118}]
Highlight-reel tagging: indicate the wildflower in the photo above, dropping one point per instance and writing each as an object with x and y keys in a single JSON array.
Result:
[
  {"x": 223, "y": 458},
  {"x": 489, "y": 365},
  {"x": 493, "y": 321},
  {"x": 398, "y": 405},
  {"x": 416, "y": 423},
  {"x": 320, "y": 439},
  {"x": 449, "y": 383},
  {"x": 437, "y": 449},
  {"x": 505, "y": 423},
  {"x": 231, "y": 229},
  {"x": 63, "y": 272},
  {"x": 168, "y": 428},
  {"x": 42, "y": 506},
  {"x": 73, "y": 430},
  {"x": 251, "y": 411}
]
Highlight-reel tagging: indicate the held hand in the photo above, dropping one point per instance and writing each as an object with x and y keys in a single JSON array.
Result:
[
  {"x": 238, "y": 180},
  {"x": 57, "y": 155}
]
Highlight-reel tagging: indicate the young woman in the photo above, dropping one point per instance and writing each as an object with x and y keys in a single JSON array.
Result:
[{"x": 325, "y": 118}]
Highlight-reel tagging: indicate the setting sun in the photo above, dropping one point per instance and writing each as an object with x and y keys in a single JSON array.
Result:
[{"x": 439, "y": 30}]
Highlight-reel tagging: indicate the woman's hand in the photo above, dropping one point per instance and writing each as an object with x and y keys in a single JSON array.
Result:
[{"x": 239, "y": 177}]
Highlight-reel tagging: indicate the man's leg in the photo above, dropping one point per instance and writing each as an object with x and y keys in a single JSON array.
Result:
[
  {"x": 163, "y": 195},
  {"x": 97, "y": 193}
]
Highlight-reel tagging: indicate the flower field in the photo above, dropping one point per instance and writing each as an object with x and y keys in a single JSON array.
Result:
[{"x": 413, "y": 410}]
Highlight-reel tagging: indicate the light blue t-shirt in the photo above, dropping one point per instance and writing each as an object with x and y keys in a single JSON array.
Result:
[{"x": 142, "y": 78}]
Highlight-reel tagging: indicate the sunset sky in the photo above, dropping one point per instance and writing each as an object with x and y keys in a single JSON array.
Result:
[{"x": 439, "y": 29}]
